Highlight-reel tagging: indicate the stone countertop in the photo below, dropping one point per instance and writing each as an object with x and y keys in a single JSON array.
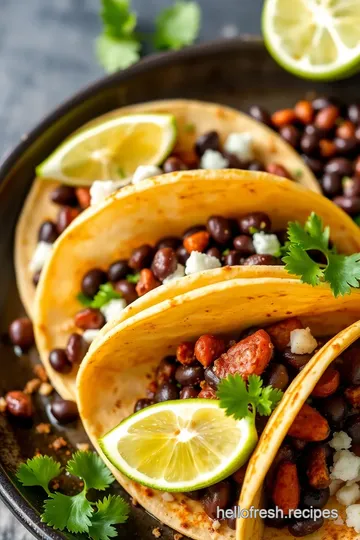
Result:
[{"x": 47, "y": 54}]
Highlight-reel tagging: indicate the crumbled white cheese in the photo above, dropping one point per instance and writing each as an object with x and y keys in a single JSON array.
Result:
[
  {"x": 40, "y": 256},
  {"x": 335, "y": 485},
  {"x": 353, "y": 517},
  {"x": 346, "y": 466},
  {"x": 338, "y": 521},
  {"x": 240, "y": 144},
  {"x": 302, "y": 341},
  {"x": 168, "y": 497},
  {"x": 348, "y": 495},
  {"x": 340, "y": 441},
  {"x": 113, "y": 309},
  {"x": 266, "y": 244},
  {"x": 179, "y": 272},
  {"x": 100, "y": 189},
  {"x": 212, "y": 159},
  {"x": 145, "y": 171},
  {"x": 90, "y": 335},
  {"x": 197, "y": 262},
  {"x": 216, "y": 525}
]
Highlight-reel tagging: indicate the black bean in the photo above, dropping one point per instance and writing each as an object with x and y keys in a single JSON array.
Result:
[
  {"x": 260, "y": 114},
  {"x": 216, "y": 498},
  {"x": 21, "y": 333},
  {"x": 278, "y": 376},
  {"x": 76, "y": 348},
  {"x": 350, "y": 367},
  {"x": 231, "y": 523},
  {"x": 331, "y": 184},
  {"x": 165, "y": 371},
  {"x": 127, "y": 290},
  {"x": 189, "y": 392},
  {"x": 352, "y": 428},
  {"x": 64, "y": 411},
  {"x": 19, "y": 404},
  {"x": 59, "y": 361},
  {"x": 92, "y": 280},
  {"x": 290, "y": 134},
  {"x": 214, "y": 252},
  {"x": 141, "y": 257},
  {"x": 172, "y": 164},
  {"x": 182, "y": 254},
  {"x": 65, "y": 216},
  {"x": 36, "y": 278},
  {"x": 142, "y": 404},
  {"x": 189, "y": 375},
  {"x": 89, "y": 319},
  {"x": 256, "y": 165},
  {"x": 164, "y": 263},
  {"x": 254, "y": 222},
  {"x": 207, "y": 141},
  {"x": 48, "y": 232},
  {"x": 233, "y": 161},
  {"x": 316, "y": 165},
  {"x": 298, "y": 361},
  {"x": 350, "y": 205},
  {"x": 309, "y": 144},
  {"x": 220, "y": 229},
  {"x": 211, "y": 378},
  {"x": 233, "y": 258},
  {"x": 118, "y": 270},
  {"x": 322, "y": 102},
  {"x": 195, "y": 495},
  {"x": 354, "y": 113},
  {"x": 64, "y": 196},
  {"x": 316, "y": 498},
  {"x": 341, "y": 166},
  {"x": 192, "y": 230},
  {"x": 303, "y": 527},
  {"x": 172, "y": 242},
  {"x": 244, "y": 244},
  {"x": 335, "y": 410},
  {"x": 261, "y": 260},
  {"x": 310, "y": 129},
  {"x": 167, "y": 392},
  {"x": 351, "y": 187},
  {"x": 346, "y": 146}
]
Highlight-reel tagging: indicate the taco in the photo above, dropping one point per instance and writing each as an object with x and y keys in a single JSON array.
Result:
[
  {"x": 195, "y": 127},
  {"x": 188, "y": 348},
  {"x": 326, "y": 469},
  {"x": 191, "y": 224}
]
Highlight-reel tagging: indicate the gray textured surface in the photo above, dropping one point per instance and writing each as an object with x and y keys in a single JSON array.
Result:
[{"x": 46, "y": 54}]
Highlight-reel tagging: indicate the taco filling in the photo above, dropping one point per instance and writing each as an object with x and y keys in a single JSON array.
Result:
[{"x": 200, "y": 369}]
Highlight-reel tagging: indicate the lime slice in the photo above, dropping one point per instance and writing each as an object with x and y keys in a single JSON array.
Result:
[
  {"x": 112, "y": 149},
  {"x": 180, "y": 445},
  {"x": 314, "y": 39}
]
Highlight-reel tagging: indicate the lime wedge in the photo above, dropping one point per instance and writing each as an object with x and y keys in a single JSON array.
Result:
[
  {"x": 314, "y": 39},
  {"x": 180, "y": 445},
  {"x": 112, "y": 149}
]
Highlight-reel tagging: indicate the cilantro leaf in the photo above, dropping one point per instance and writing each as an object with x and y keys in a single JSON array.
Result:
[
  {"x": 343, "y": 273},
  {"x": 178, "y": 25},
  {"x": 114, "y": 53},
  {"x": 312, "y": 236},
  {"x": 110, "y": 511},
  {"x": 64, "y": 512},
  {"x": 133, "y": 278},
  {"x": 118, "y": 20},
  {"x": 298, "y": 262},
  {"x": 84, "y": 300},
  {"x": 103, "y": 296},
  {"x": 91, "y": 469},
  {"x": 38, "y": 471},
  {"x": 236, "y": 398}
]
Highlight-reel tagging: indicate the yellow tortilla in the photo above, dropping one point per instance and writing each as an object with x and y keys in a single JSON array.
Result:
[
  {"x": 165, "y": 205},
  {"x": 203, "y": 117},
  {"x": 114, "y": 373}
]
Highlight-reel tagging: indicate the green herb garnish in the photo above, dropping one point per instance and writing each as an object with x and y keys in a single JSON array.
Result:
[
  {"x": 243, "y": 400},
  {"x": 178, "y": 25},
  {"x": 253, "y": 230},
  {"x": 76, "y": 513},
  {"x": 298, "y": 173},
  {"x": 226, "y": 252},
  {"x": 103, "y": 296},
  {"x": 189, "y": 128},
  {"x": 357, "y": 220},
  {"x": 133, "y": 278},
  {"x": 340, "y": 271}
]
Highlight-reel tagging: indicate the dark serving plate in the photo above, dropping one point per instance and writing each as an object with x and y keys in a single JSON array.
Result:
[{"x": 235, "y": 72}]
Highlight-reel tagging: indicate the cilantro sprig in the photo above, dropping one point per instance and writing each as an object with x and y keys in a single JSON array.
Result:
[
  {"x": 178, "y": 25},
  {"x": 76, "y": 513},
  {"x": 244, "y": 400},
  {"x": 341, "y": 271},
  {"x": 103, "y": 296}
]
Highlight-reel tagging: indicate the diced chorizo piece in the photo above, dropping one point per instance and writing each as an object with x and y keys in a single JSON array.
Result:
[
  {"x": 317, "y": 470},
  {"x": 328, "y": 383},
  {"x": 285, "y": 453},
  {"x": 206, "y": 391},
  {"x": 166, "y": 370},
  {"x": 250, "y": 356},
  {"x": 309, "y": 425},
  {"x": 280, "y": 332},
  {"x": 185, "y": 353},
  {"x": 286, "y": 492},
  {"x": 208, "y": 348},
  {"x": 147, "y": 282},
  {"x": 352, "y": 394}
]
